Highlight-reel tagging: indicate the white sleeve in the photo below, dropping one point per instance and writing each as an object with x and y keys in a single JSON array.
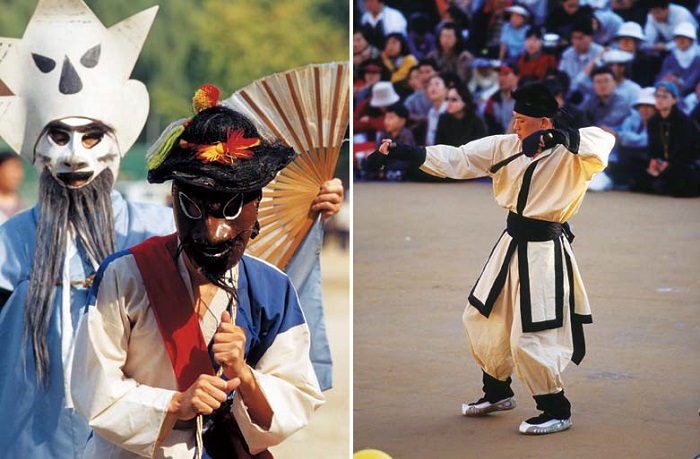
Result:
[
  {"x": 594, "y": 149},
  {"x": 468, "y": 161},
  {"x": 118, "y": 408},
  {"x": 288, "y": 381}
]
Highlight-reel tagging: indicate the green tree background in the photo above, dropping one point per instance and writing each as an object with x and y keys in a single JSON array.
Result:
[{"x": 228, "y": 43}]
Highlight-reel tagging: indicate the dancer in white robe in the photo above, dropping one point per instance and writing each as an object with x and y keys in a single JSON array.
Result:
[{"x": 526, "y": 310}]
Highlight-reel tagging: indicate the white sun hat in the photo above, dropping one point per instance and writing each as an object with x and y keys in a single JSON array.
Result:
[
  {"x": 630, "y": 29},
  {"x": 617, "y": 56},
  {"x": 383, "y": 94},
  {"x": 685, "y": 29},
  {"x": 645, "y": 97},
  {"x": 517, "y": 9}
]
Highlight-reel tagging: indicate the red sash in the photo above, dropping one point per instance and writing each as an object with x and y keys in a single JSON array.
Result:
[
  {"x": 179, "y": 328},
  {"x": 170, "y": 302}
]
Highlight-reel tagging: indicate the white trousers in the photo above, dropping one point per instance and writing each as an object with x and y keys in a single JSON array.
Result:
[{"x": 498, "y": 342}]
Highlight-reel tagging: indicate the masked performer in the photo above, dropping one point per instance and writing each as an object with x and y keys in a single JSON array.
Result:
[
  {"x": 140, "y": 376},
  {"x": 69, "y": 108},
  {"x": 527, "y": 308}
]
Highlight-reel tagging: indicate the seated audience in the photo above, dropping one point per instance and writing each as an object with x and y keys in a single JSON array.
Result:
[
  {"x": 533, "y": 62},
  {"x": 632, "y": 146},
  {"x": 397, "y": 58},
  {"x": 380, "y": 20},
  {"x": 368, "y": 118},
  {"x": 644, "y": 68},
  {"x": 682, "y": 65},
  {"x": 673, "y": 141},
  {"x": 437, "y": 93},
  {"x": 513, "y": 34},
  {"x": 606, "y": 109},
  {"x": 451, "y": 55},
  {"x": 498, "y": 112},
  {"x": 460, "y": 123}
]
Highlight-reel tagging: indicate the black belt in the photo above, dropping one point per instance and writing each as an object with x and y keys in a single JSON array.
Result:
[{"x": 532, "y": 230}]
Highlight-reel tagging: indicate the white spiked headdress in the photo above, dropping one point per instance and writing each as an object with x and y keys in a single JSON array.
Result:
[{"x": 68, "y": 65}]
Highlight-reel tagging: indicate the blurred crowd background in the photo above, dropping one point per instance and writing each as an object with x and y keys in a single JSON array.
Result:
[{"x": 443, "y": 72}]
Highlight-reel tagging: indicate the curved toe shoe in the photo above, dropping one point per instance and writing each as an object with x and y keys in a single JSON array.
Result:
[
  {"x": 544, "y": 424},
  {"x": 483, "y": 406}
]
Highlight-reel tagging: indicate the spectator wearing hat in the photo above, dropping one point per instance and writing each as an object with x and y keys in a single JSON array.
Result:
[
  {"x": 605, "y": 25},
  {"x": 673, "y": 141},
  {"x": 451, "y": 54},
  {"x": 521, "y": 314},
  {"x": 538, "y": 8},
  {"x": 514, "y": 33},
  {"x": 437, "y": 93},
  {"x": 498, "y": 112},
  {"x": 533, "y": 62},
  {"x": 460, "y": 123},
  {"x": 606, "y": 109},
  {"x": 632, "y": 144},
  {"x": 619, "y": 62},
  {"x": 397, "y": 58},
  {"x": 644, "y": 68},
  {"x": 380, "y": 20},
  {"x": 369, "y": 115},
  {"x": 371, "y": 71},
  {"x": 662, "y": 20},
  {"x": 484, "y": 81},
  {"x": 578, "y": 60},
  {"x": 682, "y": 64}
]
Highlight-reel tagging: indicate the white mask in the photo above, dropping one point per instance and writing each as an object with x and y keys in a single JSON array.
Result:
[
  {"x": 68, "y": 65},
  {"x": 76, "y": 150}
]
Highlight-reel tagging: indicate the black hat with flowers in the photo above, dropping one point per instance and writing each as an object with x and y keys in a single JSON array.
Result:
[{"x": 218, "y": 149}]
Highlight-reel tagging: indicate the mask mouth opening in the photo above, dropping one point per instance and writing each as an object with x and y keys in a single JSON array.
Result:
[{"x": 75, "y": 179}]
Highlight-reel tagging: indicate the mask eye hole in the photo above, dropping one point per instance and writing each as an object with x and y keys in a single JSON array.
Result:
[
  {"x": 90, "y": 139},
  {"x": 91, "y": 57},
  {"x": 233, "y": 207},
  {"x": 189, "y": 207},
  {"x": 43, "y": 63},
  {"x": 59, "y": 136}
]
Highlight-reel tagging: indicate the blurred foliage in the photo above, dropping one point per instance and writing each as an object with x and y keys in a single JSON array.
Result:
[{"x": 227, "y": 43}]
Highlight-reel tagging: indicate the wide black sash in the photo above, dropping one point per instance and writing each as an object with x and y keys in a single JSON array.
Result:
[
  {"x": 524, "y": 230},
  {"x": 530, "y": 229}
]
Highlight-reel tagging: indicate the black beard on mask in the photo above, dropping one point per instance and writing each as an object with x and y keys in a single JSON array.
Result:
[
  {"x": 213, "y": 272},
  {"x": 88, "y": 211}
]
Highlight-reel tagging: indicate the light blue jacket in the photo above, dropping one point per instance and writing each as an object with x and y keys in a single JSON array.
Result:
[{"x": 38, "y": 423}]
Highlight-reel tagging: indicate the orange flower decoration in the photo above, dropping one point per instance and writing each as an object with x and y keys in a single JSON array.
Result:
[{"x": 235, "y": 147}]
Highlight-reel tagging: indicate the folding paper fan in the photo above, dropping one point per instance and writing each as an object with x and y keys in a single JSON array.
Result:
[{"x": 307, "y": 108}]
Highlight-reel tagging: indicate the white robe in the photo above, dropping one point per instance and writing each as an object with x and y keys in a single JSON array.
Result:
[
  {"x": 535, "y": 333},
  {"x": 123, "y": 379}
]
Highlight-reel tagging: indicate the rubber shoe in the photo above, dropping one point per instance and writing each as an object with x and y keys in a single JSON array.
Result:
[
  {"x": 483, "y": 406},
  {"x": 544, "y": 424}
]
